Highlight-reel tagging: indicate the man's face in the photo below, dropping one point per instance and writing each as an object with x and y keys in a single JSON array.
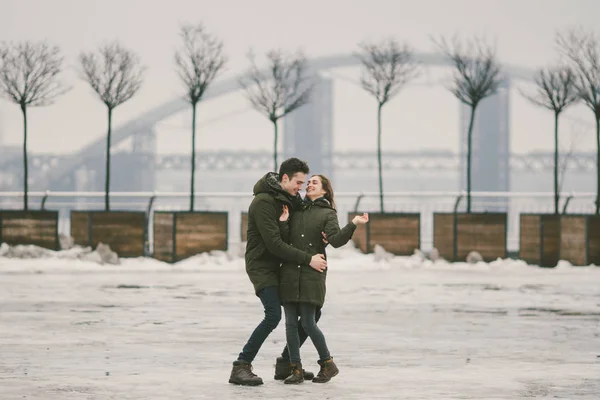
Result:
[{"x": 294, "y": 184}]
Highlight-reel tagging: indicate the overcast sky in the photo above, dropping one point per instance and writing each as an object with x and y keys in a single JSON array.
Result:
[{"x": 424, "y": 116}]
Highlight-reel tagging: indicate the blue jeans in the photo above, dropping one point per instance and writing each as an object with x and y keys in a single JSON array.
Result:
[
  {"x": 307, "y": 313},
  {"x": 302, "y": 335},
  {"x": 269, "y": 297}
]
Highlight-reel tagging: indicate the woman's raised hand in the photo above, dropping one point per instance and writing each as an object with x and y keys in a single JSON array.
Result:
[
  {"x": 361, "y": 219},
  {"x": 285, "y": 214}
]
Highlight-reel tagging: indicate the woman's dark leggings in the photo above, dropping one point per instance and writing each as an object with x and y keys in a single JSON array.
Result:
[{"x": 306, "y": 312}]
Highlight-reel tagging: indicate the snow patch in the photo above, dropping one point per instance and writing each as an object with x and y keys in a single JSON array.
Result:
[
  {"x": 102, "y": 255},
  {"x": 434, "y": 254},
  {"x": 474, "y": 257},
  {"x": 345, "y": 258}
]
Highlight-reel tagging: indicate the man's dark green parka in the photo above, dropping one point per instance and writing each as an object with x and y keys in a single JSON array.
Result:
[{"x": 265, "y": 249}]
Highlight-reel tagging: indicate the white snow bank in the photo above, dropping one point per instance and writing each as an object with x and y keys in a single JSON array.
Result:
[
  {"x": 347, "y": 258},
  {"x": 102, "y": 255}
]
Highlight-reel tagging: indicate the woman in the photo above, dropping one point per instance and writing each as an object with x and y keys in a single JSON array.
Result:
[{"x": 302, "y": 288}]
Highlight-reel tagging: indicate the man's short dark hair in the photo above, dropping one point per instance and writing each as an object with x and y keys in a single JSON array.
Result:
[{"x": 292, "y": 166}]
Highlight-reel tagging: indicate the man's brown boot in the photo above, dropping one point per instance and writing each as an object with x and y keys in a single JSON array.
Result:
[
  {"x": 242, "y": 374},
  {"x": 297, "y": 376},
  {"x": 328, "y": 371},
  {"x": 282, "y": 370}
]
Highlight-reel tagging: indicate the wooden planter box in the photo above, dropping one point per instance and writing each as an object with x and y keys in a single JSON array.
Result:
[
  {"x": 580, "y": 239},
  {"x": 182, "y": 234},
  {"x": 37, "y": 227},
  {"x": 457, "y": 234},
  {"x": 397, "y": 233},
  {"x": 123, "y": 231},
  {"x": 539, "y": 238}
]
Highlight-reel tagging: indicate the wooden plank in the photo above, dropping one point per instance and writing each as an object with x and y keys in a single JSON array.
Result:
[
  {"x": 397, "y": 233},
  {"x": 530, "y": 238},
  {"x": 80, "y": 228},
  {"x": 550, "y": 240},
  {"x": 360, "y": 234},
  {"x": 39, "y": 228},
  {"x": 594, "y": 240},
  {"x": 123, "y": 231},
  {"x": 443, "y": 234},
  {"x": 572, "y": 239},
  {"x": 163, "y": 236},
  {"x": 539, "y": 239},
  {"x": 198, "y": 232},
  {"x": 481, "y": 232}
]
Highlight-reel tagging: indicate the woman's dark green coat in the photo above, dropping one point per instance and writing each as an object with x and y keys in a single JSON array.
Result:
[{"x": 300, "y": 282}]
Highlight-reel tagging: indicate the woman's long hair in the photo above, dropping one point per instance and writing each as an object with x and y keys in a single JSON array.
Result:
[{"x": 328, "y": 189}]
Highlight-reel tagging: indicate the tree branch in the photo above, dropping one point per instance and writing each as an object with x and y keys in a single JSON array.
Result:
[
  {"x": 476, "y": 69},
  {"x": 113, "y": 72},
  {"x": 583, "y": 51},
  {"x": 286, "y": 88},
  {"x": 387, "y": 67},
  {"x": 555, "y": 88},
  {"x": 29, "y": 73},
  {"x": 199, "y": 61}
]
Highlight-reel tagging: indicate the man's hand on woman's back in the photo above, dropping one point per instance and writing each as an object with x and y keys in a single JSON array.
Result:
[{"x": 318, "y": 262}]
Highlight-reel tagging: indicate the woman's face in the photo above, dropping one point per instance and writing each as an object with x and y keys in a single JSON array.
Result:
[{"x": 314, "y": 188}]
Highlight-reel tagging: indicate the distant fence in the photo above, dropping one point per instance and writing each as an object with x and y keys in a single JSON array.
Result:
[{"x": 235, "y": 204}]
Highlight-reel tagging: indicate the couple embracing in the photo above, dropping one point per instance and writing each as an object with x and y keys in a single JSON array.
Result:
[{"x": 286, "y": 263}]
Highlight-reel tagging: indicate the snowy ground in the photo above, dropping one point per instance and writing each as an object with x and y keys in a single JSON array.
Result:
[{"x": 398, "y": 329}]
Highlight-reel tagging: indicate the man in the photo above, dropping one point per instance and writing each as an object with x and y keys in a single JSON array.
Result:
[{"x": 264, "y": 252}]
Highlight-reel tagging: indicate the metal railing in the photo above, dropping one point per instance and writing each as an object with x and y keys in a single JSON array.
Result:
[{"x": 426, "y": 203}]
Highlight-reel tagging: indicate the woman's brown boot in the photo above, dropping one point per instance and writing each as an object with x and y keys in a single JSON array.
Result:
[
  {"x": 328, "y": 371},
  {"x": 297, "y": 375}
]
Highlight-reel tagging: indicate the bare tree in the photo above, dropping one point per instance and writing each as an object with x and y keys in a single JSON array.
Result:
[
  {"x": 476, "y": 76},
  {"x": 284, "y": 87},
  {"x": 555, "y": 91},
  {"x": 198, "y": 63},
  {"x": 29, "y": 77},
  {"x": 583, "y": 50},
  {"x": 115, "y": 74},
  {"x": 387, "y": 67}
]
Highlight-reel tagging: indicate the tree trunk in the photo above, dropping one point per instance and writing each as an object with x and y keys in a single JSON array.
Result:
[
  {"x": 275, "y": 147},
  {"x": 107, "y": 181},
  {"x": 25, "y": 169},
  {"x": 597, "y": 163},
  {"x": 192, "y": 186},
  {"x": 469, "y": 150},
  {"x": 556, "y": 196},
  {"x": 379, "y": 157}
]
